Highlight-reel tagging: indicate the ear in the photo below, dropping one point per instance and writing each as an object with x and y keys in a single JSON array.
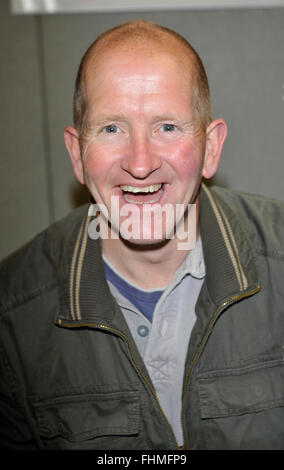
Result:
[
  {"x": 71, "y": 139},
  {"x": 216, "y": 134}
]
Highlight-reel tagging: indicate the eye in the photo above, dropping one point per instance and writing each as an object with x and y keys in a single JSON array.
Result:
[
  {"x": 111, "y": 129},
  {"x": 169, "y": 127}
]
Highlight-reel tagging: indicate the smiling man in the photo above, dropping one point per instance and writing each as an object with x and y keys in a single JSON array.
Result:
[
  {"x": 142, "y": 137},
  {"x": 114, "y": 335}
]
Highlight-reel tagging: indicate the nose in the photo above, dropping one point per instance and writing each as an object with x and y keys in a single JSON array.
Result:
[{"x": 141, "y": 158}]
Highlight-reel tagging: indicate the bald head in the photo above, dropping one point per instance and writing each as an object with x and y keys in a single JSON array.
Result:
[{"x": 143, "y": 37}]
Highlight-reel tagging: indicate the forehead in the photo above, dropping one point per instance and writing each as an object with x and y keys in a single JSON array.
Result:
[{"x": 111, "y": 67}]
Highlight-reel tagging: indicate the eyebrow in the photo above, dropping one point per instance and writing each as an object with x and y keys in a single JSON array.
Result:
[
  {"x": 104, "y": 118},
  {"x": 167, "y": 117}
]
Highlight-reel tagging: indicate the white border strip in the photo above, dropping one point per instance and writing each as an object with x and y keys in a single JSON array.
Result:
[{"x": 84, "y": 6}]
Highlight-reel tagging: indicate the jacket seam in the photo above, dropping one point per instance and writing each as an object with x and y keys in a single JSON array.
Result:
[
  {"x": 27, "y": 297},
  {"x": 9, "y": 373},
  {"x": 233, "y": 411},
  {"x": 270, "y": 253},
  {"x": 241, "y": 370},
  {"x": 231, "y": 366}
]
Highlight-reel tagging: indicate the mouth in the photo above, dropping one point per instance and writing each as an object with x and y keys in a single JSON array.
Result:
[{"x": 142, "y": 195}]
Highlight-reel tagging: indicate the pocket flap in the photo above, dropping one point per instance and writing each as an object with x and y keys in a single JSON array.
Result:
[
  {"x": 243, "y": 390},
  {"x": 79, "y": 417}
]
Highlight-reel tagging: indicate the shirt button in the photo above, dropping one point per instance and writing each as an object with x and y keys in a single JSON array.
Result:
[{"x": 143, "y": 330}]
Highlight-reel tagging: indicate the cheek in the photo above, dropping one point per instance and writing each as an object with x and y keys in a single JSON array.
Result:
[
  {"x": 101, "y": 159},
  {"x": 95, "y": 165},
  {"x": 92, "y": 172},
  {"x": 188, "y": 161}
]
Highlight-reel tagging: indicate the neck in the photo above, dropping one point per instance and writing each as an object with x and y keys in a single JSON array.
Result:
[{"x": 147, "y": 266}]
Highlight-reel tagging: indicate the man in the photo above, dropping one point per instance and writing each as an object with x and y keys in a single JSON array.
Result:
[{"x": 135, "y": 339}]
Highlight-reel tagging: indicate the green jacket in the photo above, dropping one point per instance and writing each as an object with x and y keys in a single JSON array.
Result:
[{"x": 71, "y": 376}]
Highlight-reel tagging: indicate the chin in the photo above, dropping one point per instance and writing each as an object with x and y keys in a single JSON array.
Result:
[
  {"x": 147, "y": 234},
  {"x": 144, "y": 244}
]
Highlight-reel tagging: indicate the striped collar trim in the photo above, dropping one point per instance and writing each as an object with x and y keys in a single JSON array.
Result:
[
  {"x": 229, "y": 257},
  {"x": 89, "y": 294}
]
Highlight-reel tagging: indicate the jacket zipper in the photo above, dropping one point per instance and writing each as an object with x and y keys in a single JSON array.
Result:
[
  {"x": 124, "y": 337},
  {"x": 217, "y": 312}
]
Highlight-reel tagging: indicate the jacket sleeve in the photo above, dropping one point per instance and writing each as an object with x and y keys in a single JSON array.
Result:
[{"x": 15, "y": 433}]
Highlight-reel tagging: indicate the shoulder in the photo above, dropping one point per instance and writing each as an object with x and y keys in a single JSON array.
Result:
[
  {"x": 34, "y": 268},
  {"x": 261, "y": 217}
]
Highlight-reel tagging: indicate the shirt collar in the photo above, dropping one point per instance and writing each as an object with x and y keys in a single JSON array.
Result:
[{"x": 194, "y": 262}]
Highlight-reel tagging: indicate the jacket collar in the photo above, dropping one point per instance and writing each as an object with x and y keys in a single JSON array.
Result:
[{"x": 228, "y": 255}]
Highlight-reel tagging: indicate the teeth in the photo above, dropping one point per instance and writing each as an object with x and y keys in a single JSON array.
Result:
[{"x": 147, "y": 189}]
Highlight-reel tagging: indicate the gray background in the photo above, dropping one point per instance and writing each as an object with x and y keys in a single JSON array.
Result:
[{"x": 242, "y": 51}]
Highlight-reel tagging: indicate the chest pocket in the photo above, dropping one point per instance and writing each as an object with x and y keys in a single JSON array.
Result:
[
  {"x": 90, "y": 421},
  {"x": 243, "y": 408}
]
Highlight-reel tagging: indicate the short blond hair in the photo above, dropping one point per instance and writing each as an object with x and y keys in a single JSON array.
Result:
[{"x": 133, "y": 33}]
